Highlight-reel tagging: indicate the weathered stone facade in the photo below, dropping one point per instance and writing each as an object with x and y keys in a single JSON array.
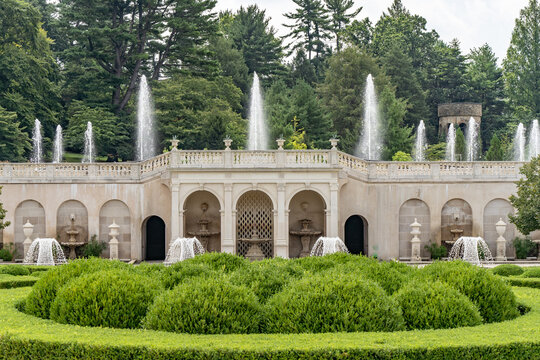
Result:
[{"x": 458, "y": 114}]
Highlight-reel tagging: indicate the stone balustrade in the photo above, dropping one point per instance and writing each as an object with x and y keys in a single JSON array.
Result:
[{"x": 377, "y": 171}]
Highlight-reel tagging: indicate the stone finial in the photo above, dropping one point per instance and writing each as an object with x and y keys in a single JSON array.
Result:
[
  {"x": 334, "y": 141},
  {"x": 227, "y": 143},
  {"x": 500, "y": 227},
  {"x": 280, "y": 142},
  {"x": 28, "y": 230},
  {"x": 113, "y": 243},
  {"x": 415, "y": 242},
  {"x": 174, "y": 143}
]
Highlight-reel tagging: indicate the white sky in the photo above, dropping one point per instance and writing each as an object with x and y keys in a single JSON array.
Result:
[{"x": 472, "y": 22}]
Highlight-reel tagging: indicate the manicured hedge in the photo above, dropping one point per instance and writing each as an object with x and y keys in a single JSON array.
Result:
[
  {"x": 11, "y": 281},
  {"x": 185, "y": 270},
  {"x": 532, "y": 272},
  {"x": 23, "y": 337},
  {"x": 507, "y": 270},
  {"x": 14, "y": 270},
  {"x": 222, "y": 262},
  {"x": 524, "y": 282}
]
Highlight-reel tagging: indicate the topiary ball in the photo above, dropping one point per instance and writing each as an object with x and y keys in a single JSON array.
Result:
[
  {"x": 213, "y": 306},
  {"x": 435, "y": 305},
  {"x": 185, "y": 270},
  {"x": 111, "y": 298},
  {"x": 507, "y": 270},
  {"x": 329, "y": 303},
  {"x": 532, "y": 272},
  {"x": 493, "y": 297},
  {"x": 221, "y": 262}
]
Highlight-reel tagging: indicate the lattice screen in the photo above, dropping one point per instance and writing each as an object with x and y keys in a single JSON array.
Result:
[{"x": 254, "y": 218}]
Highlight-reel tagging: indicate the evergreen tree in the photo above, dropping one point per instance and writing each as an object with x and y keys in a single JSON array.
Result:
[
  {"x": 397, "y": 137},
  {"x": 14, "y": 142},
  {"x": 461, "y": 147},
  {"x": 522, "y": 64},
  {"x": 311, "y": 27},
  {"x": 231, "y": 61},
  {"x": 359, "y": 34},
  {"x": 495, "y": 151},
  {"x": 278, "y": 105},
  {"x": 527, "y": 201},
  {"x": 339, "y": 17},
  {"x": 302, "y": 68},
  {"x": 436, "y": 152}
]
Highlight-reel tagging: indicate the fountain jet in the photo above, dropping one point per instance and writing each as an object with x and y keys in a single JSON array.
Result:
[
  {"x": 58, "y": 150},
  {"x": 472, "y": 140},
  {"x": 451, "y": 144},
  {"x": 182, "y": 249},
  {"x": 369, "y": 147},
  {"x": 257, "y": 137},
  {"x": 421, "y": 142},
  {"x": 534, "y": 141},
  {"x": 37, "y": 143},
  {"x": 89, "y": 148},
  {"x": 146, "y": 138},
  {"x": 519, "y": 143}
]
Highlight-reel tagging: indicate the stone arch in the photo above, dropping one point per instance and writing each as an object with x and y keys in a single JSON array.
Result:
[
  {"x": 63, "y": 220},
  {"x": 34, "y": 212},
  {"x": 410, "y": 210},
  {"x": 205, "y": 189},
  {"x": 264, "y": 191},
  {"x": 356, "y": 235},
  {"x": 456, "y": 214},
  {"x": 153, "y": 233},
  {"x": 254, "y": 220},
  {"x": 202, "y": 211},
  {"x": 310, "y": 205},
  {"x": 117, "y": 211},
  {"x": 495, "y": 210}
]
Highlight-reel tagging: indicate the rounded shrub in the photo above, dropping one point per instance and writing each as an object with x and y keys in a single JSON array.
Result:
[
  {"x": 328, "y": 303},
  {"x": 44, "y": 291},
  {"x": 14, "y": 270},
  {"x": 532, "y": 272},
  {"x": 493, "y": 297},
  {"x": 184, "y": 270},
  {"x": 266, "y": 277},
  {"x": 435, "y": 305},
  {"x": 214, "y": 306},
  {"x": 221, "y": 262},
  {"x": 507, "y": 270},
  {"x": 316, "y": 264},
  {"x": 111, "y": 298}
]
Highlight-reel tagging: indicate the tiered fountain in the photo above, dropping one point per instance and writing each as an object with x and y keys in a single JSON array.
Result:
[
  {"x": 369, "y": 147},
  {"x": 305, "y": 233},
  {"x": 257, "y": 136},
  {"x": 470, "y": 249},
  {"x": 203, "y": 233},
  {"x": 72, "y": 242},
  {"x": 182, "y": 249},
  {"x": 328, "y": 245}
]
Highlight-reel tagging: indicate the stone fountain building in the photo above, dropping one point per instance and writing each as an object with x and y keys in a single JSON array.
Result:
[{"x": 262, "y": 196}]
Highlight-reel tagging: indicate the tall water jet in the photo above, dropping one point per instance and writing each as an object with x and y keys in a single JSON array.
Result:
[
  {"x": 58, "y": 150},
  {"x": 421, "y": 142},
  {"x": 369, "y": 147},
  {"x": 146, "y": 138},
  {"x": 451, "y": 144},
  {"x": 257, "y": 137},
  {"x": 534, "y": 141},
  {"x": 472, "y": 140},
  {"x": 519, "y": 143},
  {"x": 89, "y": 149},
  {"x": 37, "y": 143}
]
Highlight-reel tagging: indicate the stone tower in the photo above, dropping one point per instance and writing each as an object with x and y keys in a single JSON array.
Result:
[{"x": 458, "y": 114}]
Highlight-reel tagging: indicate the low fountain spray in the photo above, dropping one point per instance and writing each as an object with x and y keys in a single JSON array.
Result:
[
  {"x": 369, "y": 147},
  {"x": 421, "y": 142},
  {"x": 37, "y": 143},
  {"x": 472, "y": 140},
  {"x": 257, "y": 136},
  {"x": 451, "y": 144},
  {"x": 534, "y": 140},
  {"x": 89, "y": 149},
  {"x": 519, "y": 143},
  {"x": 58, "y": 150},
  {"x": 146, "y": 138}
]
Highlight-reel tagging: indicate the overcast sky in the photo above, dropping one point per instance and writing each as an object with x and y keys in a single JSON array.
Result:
[{"x": 473, "y": 22}]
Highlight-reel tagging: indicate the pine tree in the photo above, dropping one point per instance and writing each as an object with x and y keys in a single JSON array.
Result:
[
  {"x": 397, "y": 137},
  {"x": 461, "y": 147},
  {"x": 340, "y": 18},
  {"x": 522, "y": 64},
  {"x": 495, "y": 151},
  {"x": 14, "y": 142}
]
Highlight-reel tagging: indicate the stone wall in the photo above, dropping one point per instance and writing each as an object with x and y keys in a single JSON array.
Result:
[{"x": 458, "y": 114}]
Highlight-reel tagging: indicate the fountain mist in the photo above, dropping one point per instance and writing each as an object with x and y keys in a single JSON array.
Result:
[
  {"x": 37, "y": 143},
  {"x": 89, "y": 149},
  {"x": 58, "y": 150},
  {"x": 472, "y": 140},
  {"x": 421, "y": 142},
  {"x": 451, "y": 144},
  {"x": 369, "y": 146},
  {"x": 146, "y": 138},
  {"x": 534, "y": 141},
  {"x": 257, "y": 137},
  {"x": 519, "y": 143}
]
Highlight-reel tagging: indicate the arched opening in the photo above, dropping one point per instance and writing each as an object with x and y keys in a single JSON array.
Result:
[
  {"x": 306, "y": 222},
  {"x": 456, "y": 221},
  {"x": 33, "y": 211},
  {"x": 356, "y": 235},
  {"x": 410, "y": 210},
  {"x": 154, "y": 238},
  {"x": 203, "y": 219},
  {"x": 80, "y": 221},
  {"x": 494, "y": 211},
  {"x": 117, "y": 211},
  {"x": 255, "y": 226},
  {"x": 463, "y": 127}
]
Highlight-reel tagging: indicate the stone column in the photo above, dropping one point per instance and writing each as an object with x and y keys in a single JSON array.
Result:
[
  {"x": 113, "y": 243},
  {"x": 227, "y": 156},
  {"x": 333, "y": 219},
  {"x": 500, "y": 226},
  {"x": 415, "y": 242},
  {"x": 229, "y": 221},
  {"x": 334, "y": 160},
  {"x": 280, "y": 155},
  {"x": 180, "y": 223},
  {"x": 28, "y": 230},
  {"x": 281, "y": 246},
  {"x": 175, "y": 219}
]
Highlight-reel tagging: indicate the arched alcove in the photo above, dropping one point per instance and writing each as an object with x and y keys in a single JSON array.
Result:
[
  {"x": 63, "y": 220},
  {"x": 356, "y": 235},
  {"x": 306, "y": 222},
  {"x": 203, "y": 219},
  {"x": 410, "y": 210},
  {"x": 254, "y": 221},
  {"x": 153, "y": 230},
  {"x": 457, "y": 215},
  {"x": 494, "y": 211},
  {"x": 117, "y": 211},
  {"x": 34, "y": 212}
]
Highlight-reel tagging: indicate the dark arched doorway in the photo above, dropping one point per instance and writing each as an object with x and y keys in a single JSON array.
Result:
[
  {"x": 154, "y": 232},
  {"x": 356, "y": 235}
]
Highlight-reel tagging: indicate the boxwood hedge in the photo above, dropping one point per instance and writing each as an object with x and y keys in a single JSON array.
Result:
[{"x": 507, "y": 270}]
